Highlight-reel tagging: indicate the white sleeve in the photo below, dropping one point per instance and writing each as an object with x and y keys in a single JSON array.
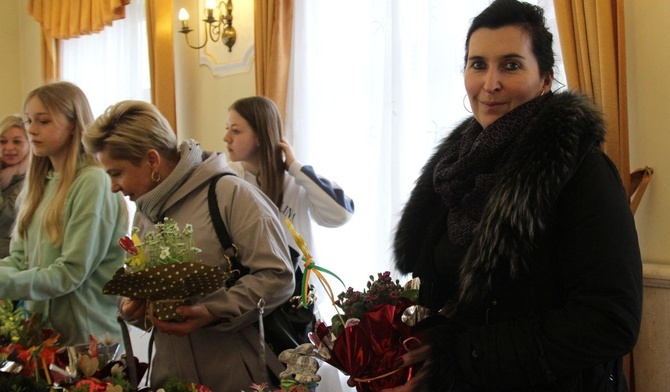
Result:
[{"x": 329, "y": 206}]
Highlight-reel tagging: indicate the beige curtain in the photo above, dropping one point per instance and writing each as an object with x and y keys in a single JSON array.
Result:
[
  {"x": 593, "y": 43},
  {"x": 50, "y": 58},
  {"x": 161, "y": 57},
  {"x": 63, "y": 19},
  {"x": 273, "y": 27}
]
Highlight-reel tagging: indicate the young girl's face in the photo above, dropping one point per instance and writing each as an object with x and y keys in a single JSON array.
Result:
[
  {"x": 14, "y": 146},
  {"x": 241, "y": 139},
  {"x": 50, "y": 134}
]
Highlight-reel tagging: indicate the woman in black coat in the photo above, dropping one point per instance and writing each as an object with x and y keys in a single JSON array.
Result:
[{"x": 520, "y": 230}]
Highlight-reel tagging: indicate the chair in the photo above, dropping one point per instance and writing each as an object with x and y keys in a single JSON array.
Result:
[{"x": 639, "y": 179}]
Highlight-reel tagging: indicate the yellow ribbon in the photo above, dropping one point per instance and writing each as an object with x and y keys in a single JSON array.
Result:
[{"x": 311, "y": 267}]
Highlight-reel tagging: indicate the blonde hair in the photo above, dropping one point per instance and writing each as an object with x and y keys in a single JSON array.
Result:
[
  {"x": 9, "y": 122},
  {"x": 263, "y": 117},
  {"x": 12, "y": 121},
  {"x": 128, "y": 129},
  {"x": 67, "y": 99}
]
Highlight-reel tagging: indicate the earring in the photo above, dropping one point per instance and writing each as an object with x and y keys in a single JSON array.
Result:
[
  {"x": 469, "y": 110},
  {"x": 541, "y": 93},
  {"x": 155, "y": 176}
]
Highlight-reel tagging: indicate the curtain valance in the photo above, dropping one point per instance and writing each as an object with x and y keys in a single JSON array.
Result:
[{"x": 64, "y": 19}]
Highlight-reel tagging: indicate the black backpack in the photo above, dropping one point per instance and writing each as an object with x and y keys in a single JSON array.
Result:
[{"x": 287, "y": 326}]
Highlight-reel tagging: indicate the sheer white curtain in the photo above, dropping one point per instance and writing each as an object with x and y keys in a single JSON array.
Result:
[
  {"x": 374, "y": 86},
  {"x": 112, "y": 65},
  {"x": 109, "y": 67}
]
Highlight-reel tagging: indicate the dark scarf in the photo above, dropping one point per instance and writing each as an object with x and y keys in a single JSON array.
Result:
[{"x": 468, "y": 170}]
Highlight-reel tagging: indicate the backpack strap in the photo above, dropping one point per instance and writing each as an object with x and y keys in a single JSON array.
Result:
[
  {"x": 220, "y": 227},
  {"x": 272, "y": 362},
  {"x": 130, "y": 358}
]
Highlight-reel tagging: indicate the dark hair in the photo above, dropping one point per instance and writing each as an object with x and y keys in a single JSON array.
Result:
[
  {"x": 263, "y": 117},
  {"x": 527, "y": 16}
]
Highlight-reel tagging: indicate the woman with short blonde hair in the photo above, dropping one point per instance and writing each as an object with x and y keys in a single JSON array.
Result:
[
  {"x": 14, "y": 160},
  {"x": 126, "y": 129},
  {"x": 138, "y": 149}
]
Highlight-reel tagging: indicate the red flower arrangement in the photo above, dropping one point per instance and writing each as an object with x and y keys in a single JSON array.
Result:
[{"x": 369, "y": 336}]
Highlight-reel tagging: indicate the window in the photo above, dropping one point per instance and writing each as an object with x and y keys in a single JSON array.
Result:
[
  {"x": 374, "y": 86},
  {"x": 112, "y": 65}
]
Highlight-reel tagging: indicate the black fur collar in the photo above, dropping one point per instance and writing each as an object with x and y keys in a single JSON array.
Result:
[{"x": 549, "y": 150}]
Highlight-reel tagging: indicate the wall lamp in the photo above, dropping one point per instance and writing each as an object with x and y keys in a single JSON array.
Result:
[{"x": 220, "y": 28}]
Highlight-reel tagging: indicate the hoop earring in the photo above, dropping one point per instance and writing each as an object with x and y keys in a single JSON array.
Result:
[
  {"x": 561, "y": 84},
  {"x": 466, "y": 108},
  {"x": 155, "y": 176}
]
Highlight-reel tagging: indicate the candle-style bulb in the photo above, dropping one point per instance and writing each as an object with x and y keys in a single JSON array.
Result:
[{"x": 183, "y": 15}]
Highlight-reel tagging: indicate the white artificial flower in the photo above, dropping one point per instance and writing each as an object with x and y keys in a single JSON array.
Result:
[
  {"x": 165, "y": 252},
  {"x": 108, "y": 339},
  {"x": 116, "y": 369}
]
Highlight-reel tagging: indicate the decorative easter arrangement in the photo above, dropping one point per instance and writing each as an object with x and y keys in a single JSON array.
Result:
[
  {"x": 370, "y": 333},
  {"x": 165, "y": 270},
  {"x": 32, "y": 359},
  {"x": 371, "y": 330}
]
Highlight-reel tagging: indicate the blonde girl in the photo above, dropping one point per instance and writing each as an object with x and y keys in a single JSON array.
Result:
[{"x": 64, "y": 247}]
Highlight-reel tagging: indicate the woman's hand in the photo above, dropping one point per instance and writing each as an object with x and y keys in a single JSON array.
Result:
[
  {"x": 413, "y": 385},
  {"x": 195, "y": 316},
  {"x": 412, "y": 358},
  {"x": 288, "y": 152},
  {"x": 133, "y": 309}
]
